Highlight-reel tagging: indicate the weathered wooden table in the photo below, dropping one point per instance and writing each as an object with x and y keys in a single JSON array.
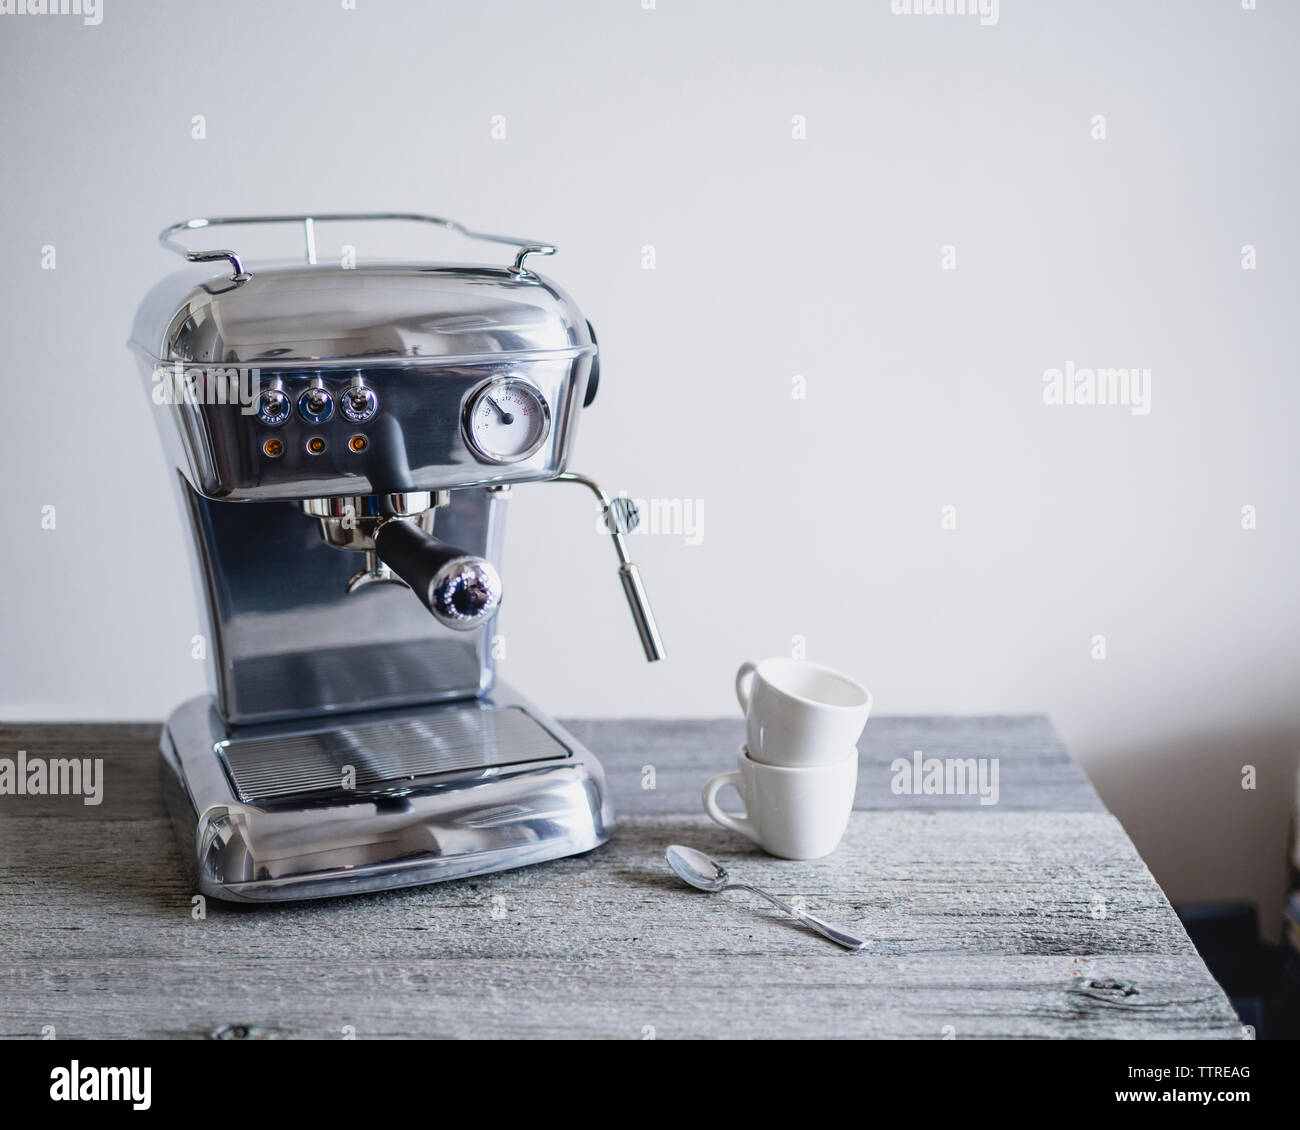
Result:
[{"x": 1031, "y": 918}]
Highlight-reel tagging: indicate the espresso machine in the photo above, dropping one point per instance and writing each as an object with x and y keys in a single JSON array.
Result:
[{"x": 345, "y": 438}]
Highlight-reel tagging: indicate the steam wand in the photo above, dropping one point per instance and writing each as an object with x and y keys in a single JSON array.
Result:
[{"x": 621, "y": 517}]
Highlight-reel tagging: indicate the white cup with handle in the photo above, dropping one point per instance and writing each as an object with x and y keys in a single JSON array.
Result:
[
  {"x": 793, "y": 812},
  {"x": 799, "y": 713}
]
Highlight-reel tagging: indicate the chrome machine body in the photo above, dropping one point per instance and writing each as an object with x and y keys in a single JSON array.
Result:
[{"x": 345, "y": 441}]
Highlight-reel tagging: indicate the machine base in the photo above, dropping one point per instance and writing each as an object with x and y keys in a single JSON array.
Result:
[{"x": 365, "y": 802}]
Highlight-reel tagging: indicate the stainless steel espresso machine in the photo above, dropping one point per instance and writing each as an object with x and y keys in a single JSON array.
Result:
[{"x": 345, "y": 439}]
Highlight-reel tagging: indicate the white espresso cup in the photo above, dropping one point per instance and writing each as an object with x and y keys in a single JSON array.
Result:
[
  {"x": 796, "y": 813},
  {"x": 800, "y": 713}
]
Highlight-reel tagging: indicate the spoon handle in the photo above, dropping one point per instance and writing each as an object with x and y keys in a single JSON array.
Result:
[{"x": 847, "y": 940}]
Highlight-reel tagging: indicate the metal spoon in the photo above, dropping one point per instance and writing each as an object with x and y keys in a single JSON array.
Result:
[{"x": 709, "y": 875}]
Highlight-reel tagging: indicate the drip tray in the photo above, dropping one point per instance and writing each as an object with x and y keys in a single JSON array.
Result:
[{"x": 375, "y": 756}]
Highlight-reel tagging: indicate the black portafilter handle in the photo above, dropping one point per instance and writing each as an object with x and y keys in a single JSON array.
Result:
[{"x": 461, "y": 590}]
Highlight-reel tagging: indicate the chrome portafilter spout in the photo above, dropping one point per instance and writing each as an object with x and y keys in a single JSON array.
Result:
[
  {"x": 394, "y": 531},
  {"x": 621, "y": 517}
]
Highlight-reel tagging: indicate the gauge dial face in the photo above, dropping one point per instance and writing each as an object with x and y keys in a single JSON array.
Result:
[{"x": 507, "y": 420}]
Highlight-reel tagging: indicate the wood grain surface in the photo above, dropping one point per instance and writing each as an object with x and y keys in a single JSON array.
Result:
[{"x": 1033, "y": 918}]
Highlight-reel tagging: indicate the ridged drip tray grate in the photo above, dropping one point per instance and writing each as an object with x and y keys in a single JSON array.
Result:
[{"x": 380, "y": 753}]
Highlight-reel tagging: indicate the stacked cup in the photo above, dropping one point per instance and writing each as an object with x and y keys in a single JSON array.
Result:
[{"x": 798, "y": 768}]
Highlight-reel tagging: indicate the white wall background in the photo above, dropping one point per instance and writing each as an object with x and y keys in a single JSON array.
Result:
[{"x": 775, "y": 257}]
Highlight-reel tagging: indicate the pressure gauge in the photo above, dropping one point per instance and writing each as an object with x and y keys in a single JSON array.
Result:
[{"x": 507, "y": 420}]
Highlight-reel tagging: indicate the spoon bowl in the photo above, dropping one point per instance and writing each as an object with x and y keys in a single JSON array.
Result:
[{"x": 697, "y": 868}]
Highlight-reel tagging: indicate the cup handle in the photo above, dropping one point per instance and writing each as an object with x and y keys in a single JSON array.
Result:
[
  {"x": 742, "y": 824},
  {"x": 747, "y": 669}
]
